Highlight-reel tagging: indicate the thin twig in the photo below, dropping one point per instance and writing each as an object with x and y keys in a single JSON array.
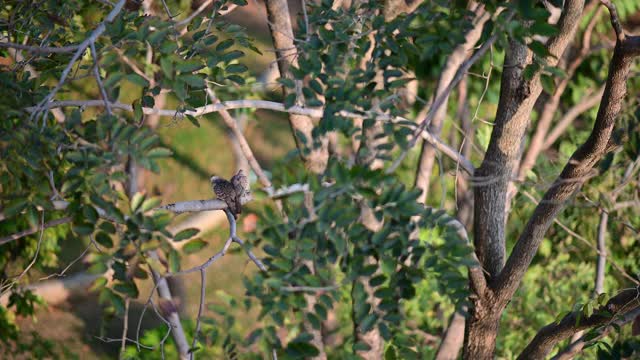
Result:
[
  {"x": 96, "y": 74},
  {"x": 40, "y": 49},
  {"x": 125, "y": 326},
  {"x": 43, "y": 105},
  {"x": 203, "y": 284},
  {"x": 21, "y": 234}
]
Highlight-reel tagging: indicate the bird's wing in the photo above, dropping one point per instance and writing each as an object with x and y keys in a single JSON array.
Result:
[{"x": 240, "y": 182}]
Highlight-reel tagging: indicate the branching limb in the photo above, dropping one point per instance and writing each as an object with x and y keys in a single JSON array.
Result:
[
  {"x": 21, "y": 234},
  {"x": 576, "y": 171},
  {"x": 577, "y": 346},
  {"x": 42, "y": 106},
  {"x": 549, "y": 336},
  {"x": 269, "y": 105}
]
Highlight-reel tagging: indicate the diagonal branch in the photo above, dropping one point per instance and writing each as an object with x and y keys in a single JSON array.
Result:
[
  {"x": 286, "y": 52},
  {"x": 576, "y": 171},
  {"x": 460, "y": 53},
  {"x": 518, "y": 94},
  {"x": 81, "y": 49},
  {"x": 549, "y": 336}
]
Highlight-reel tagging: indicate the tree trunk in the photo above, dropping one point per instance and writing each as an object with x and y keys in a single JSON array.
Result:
[{"x": 482, "y": 330}]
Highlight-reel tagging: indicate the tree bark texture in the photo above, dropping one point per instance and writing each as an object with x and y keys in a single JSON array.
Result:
[
  {"x": 491, "y": 180},
  {"x": 314, "y": 152},
  {"x": 552, "y": 334}
]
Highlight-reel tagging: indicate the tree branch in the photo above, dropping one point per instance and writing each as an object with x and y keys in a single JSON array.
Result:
[
  {"x": 287, "y": 54},
  {"x": 21, "y": 234},
  {"x": 80, "y": 50},
  {"x": 552, "y": 334},
  {"x": 577, "y": 346},
  {"x": 41, "y": 49},
  {"x": 575, "y": 173},
  {"x": 459, "y": 54},
  {"x": 269, "y": 105}
]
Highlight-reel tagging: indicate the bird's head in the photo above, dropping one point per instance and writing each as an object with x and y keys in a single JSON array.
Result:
[{"x": 215, "y": 178}]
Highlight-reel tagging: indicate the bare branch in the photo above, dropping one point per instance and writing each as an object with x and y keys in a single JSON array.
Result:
[
  {"x": 194, "y": 205},
  {"x": 459, "y": 54},
  {"x": 40, "y": 49},
  {"x": 21, "y": 234},
  {"x": 615, "y": 20},
  {"x": 311, "y": 289},
  {"x": 242, "y": 141},
  {"x": 81, "y": 49},
  {"x": 125, "y": 326},
  {"x": 203, "y": 286},
  {"x": 197, "y": 12},
  {"x": 96, "y": 75},
  {"x": 268, "y": 105}
]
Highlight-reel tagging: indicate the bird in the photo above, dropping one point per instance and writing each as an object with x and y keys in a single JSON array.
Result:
[
  {"x": 231, "y": 192},
  {"x": 240, "y": 183}
]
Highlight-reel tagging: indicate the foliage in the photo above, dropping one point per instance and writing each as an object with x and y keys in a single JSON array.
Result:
[{"x": 361, "y": 246}]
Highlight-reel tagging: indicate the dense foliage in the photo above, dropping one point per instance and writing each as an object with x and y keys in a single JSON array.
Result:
[{"x": 356, "y": 241}]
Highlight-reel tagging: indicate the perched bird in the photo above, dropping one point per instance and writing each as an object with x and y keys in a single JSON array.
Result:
[
  {"x": 241, "y": 184},
  {"x": 226, "y": 192}
]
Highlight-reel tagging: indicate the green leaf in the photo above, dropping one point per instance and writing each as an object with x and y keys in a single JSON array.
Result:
[
  {"x": 129, "y": 288},
  {"x": 288, "y": 83},
  {"x": 138, "y": 112},
  {"x": 539, "y": 48},
  {"x": 236, "y": 68},
  {"x": 150, "y": 204},
  {"x": 192, "y": 80},
  {"x": 289, "y": 100},
  {"x": 224, "y": 45},
  {"x": 174, "y": 261},
  {"x": 103, "y": 239},
  {"x": 136, "y": 201},
  {"x": 166, "y": 64},
  {"x": 15, "y": 207},
  {"x": 188, "y": 66},
  {"x": 159, "y": 152},
  {"x": 108, "y": 227},
  {"x": 301, "y": 350},
  {"x": 157, "y": 36},
  {"x": 138, "y": 80},
  {"x": 186, "y": 234},
  {"x": 194, "y": 246},
  {"x": 117, "y": 302},
  {"x": 83, "y": 229},
  {"x": 543, "y": 28},
  {"x": 193, "y": 120},
  {"x": 232, "y": 55}
]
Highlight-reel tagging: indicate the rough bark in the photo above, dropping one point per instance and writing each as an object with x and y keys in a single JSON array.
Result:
[
  {"x": 552, "y": 334},
  {"x": 578, "y": 345},
  {"x": 457, "y": 57},
  {"x": 578, "y": 169},
  {"x": 517, "y": 98},
  {"x": 315, "y": 156}
]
